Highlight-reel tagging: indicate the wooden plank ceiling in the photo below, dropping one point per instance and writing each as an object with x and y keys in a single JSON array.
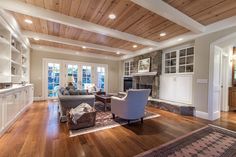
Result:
[
  {"x": 205, "y": 11},
  {"x": 131, "y": 18},
  {"x": 56, "y": 29},
  {"x": 76, "y": 48}
]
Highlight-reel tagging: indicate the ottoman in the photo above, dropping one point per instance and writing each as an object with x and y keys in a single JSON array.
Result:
[{"x": 86, "y": 120}]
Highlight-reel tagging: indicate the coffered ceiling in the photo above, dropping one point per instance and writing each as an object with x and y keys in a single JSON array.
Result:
[{"x": 140, "y": 26}]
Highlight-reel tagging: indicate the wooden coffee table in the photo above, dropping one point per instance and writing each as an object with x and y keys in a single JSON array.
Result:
[{"x": 106, "y": 99}]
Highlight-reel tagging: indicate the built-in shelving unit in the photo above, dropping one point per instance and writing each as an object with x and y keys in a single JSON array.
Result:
[{"x": 14, "y": 60}]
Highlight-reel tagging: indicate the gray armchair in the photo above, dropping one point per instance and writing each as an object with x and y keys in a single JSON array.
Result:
[{"x": 132, "y": 106}]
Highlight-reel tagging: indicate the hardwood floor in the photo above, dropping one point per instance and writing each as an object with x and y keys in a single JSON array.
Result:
[{"x": 39, "y": 133}]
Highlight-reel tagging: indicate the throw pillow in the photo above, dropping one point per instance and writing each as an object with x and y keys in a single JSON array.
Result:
[
  {"x": 66, "y": 92},
  {"x": 72, "y": 91}
]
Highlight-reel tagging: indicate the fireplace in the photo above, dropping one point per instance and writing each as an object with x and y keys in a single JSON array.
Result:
[{"x": 144, "y": 86}]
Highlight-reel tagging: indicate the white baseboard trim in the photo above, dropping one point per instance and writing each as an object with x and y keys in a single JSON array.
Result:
[
  {"x": 216, "y": 115},
  {"x": 38, "y": 99},
  {"x": 203, "y": 115}
]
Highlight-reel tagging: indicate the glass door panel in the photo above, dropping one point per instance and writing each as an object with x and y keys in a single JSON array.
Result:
[
  {"x": 86, "y": 76},
  {"x": 53, "y": 79},
  {"x": 101, "y": 78},
  {"x": 72, "y": 74}
]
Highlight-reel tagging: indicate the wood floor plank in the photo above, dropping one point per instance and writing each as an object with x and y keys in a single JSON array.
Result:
[{"x": 38, "y": 132}]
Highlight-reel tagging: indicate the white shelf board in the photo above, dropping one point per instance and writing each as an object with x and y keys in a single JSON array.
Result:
[
  {"x": 15, "y": 50},
  {"x": 17, "y": 63},
  {"x": 4, "y": 41}
]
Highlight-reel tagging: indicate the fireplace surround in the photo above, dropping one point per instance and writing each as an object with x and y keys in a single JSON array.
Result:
[{"x": 149, "y": 80}]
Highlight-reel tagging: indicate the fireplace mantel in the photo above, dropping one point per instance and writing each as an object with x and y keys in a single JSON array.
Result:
[{"x": 145, "y": 74}]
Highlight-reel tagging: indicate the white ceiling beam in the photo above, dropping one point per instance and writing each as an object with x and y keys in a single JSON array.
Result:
[
  {"x": 165, "y": 10},
  {"x": 214, "y": 27},
  {"x": 31, "y": 10},
  {"x": 71, "y": 42},
  {"x": 71, "y": 52}
]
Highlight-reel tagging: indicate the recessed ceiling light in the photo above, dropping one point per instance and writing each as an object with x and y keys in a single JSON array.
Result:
[
  {"x": 118, "y": 52},
  {"x": 135, "y": 46},
  {"x": 163, "y": 34},
  {"x": 112, "y": 16},
  {"x": 28, "y": 21},
  {"x": 180, "y": 39},
  {"x": 84, "y": 47},
  {"x": 36, "y": 39}
]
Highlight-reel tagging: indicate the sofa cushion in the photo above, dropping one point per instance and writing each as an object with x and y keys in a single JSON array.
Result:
[
  {"x": 72, "y": 91},
  {"x": 83, "y": 92}
]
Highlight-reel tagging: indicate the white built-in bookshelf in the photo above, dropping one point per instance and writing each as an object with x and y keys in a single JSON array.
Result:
[{"x": 14, "y": 58}]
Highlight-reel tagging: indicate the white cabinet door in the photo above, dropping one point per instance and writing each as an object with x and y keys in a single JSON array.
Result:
[
  {"x": 1, "y": 112},
  {"x": 168, "y": 88},
  {"x": 177, "y": 88},
  {"x": 8, "y": 108},
  {"x": 184, "y": 89}
]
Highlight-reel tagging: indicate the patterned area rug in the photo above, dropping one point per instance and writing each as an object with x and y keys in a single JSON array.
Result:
[
  {"x": 104, "y": 121},
  {"x": 209, "y": 141}
]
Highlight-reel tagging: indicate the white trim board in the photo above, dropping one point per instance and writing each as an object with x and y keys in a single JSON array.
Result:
[
  {"x": 71, "y": 42},
  {"x": 32, "y": 10},
  {"x": 167, "y": 11},
  {"x": 72, "y": 52},
  {"x": 203, "y": 115}
]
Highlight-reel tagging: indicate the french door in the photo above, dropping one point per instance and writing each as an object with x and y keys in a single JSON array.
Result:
[
  {"x": 58, "y": 73},
  {"x": 53, "y": 79},
  {"x": 72, "y": 75}
]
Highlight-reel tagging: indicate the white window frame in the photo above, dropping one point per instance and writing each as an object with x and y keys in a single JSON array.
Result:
[
  {"x": 177, "y": 49},
  {"x": 129, "y": 71}
]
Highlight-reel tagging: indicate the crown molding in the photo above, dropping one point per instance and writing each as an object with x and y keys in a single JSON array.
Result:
[{"x": 72, "y": 52}]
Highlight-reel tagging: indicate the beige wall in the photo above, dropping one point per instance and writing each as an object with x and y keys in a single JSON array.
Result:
[
  {"x": 36, "y": 69},
  {"x": 201, "y": 68}
]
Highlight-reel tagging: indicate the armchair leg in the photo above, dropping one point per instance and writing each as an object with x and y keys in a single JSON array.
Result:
[
  {"x": 142, "y": 120},
  {"x": 128, "y": 122},
  {"x": 113, "y": 115}
]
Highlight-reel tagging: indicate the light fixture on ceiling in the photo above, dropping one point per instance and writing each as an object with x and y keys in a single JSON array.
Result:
[
  {"x": 28, "y": 21},
  {"x": 84, "y": 47},
  {"x": 162, "y": 34},
  {"x": 112, "y": 16},
  {"x": 150, "y": 48},
  {"x": 117, "y": 52},
  {"x": 180, "y": 39},
  {"x": 135, "y": 46},
  {"x": 36, "y": 38}
]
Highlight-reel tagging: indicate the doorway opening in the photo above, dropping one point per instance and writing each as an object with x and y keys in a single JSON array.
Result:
[{"x": 220, "y": 75}]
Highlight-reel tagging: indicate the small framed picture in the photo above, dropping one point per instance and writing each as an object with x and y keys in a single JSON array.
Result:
[{"x": 144, "y": 65}]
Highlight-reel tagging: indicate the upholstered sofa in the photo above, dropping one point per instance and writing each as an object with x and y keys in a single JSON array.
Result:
[{"x": 66, "y": 102}]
